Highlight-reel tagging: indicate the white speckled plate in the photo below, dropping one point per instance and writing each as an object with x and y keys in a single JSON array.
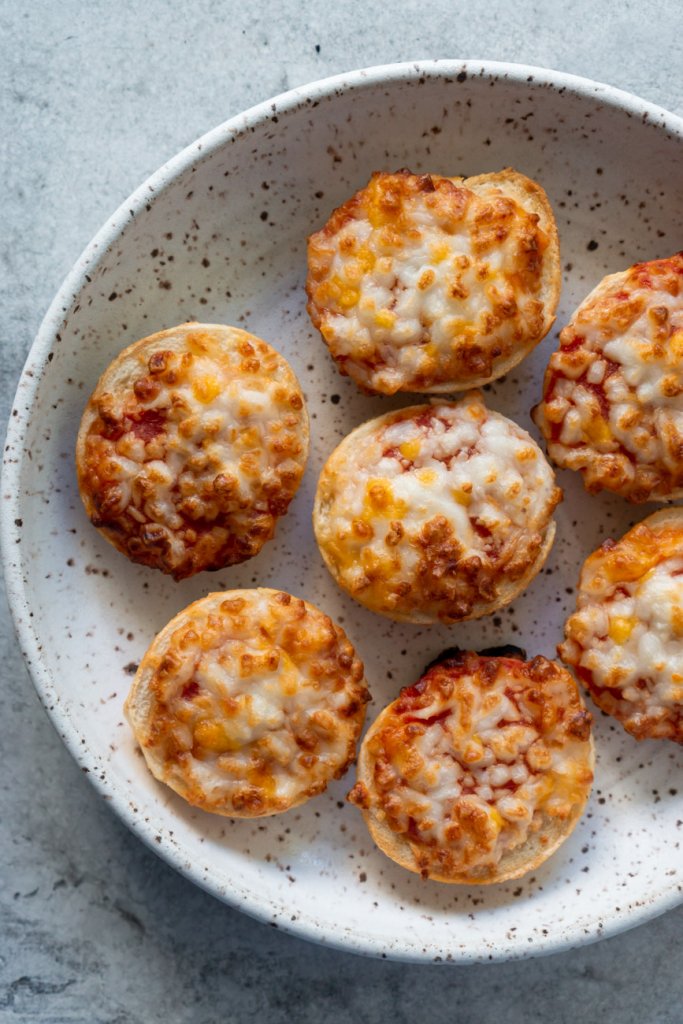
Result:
[{"x": 219, "y": 234}]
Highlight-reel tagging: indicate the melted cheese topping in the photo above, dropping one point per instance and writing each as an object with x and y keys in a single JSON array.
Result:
[
  {"x": 192, "y": 448},
  {"x": 249, "y": 702},
  {"x": 613, "y": 394},
  {"x": 625, "y": 640},
  {"x": 419, "y": 282},
  {"x": 475, "y": 758},
  {"x": 435, "y": 511}
]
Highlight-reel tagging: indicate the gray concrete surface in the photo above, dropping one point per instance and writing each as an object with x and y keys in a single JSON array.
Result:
[{"x": 93, "y": 927}]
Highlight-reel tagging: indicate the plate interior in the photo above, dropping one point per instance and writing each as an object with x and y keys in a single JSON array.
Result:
[{"x": 224, "y": 241}]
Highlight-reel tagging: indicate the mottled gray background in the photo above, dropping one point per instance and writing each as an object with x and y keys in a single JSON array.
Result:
[{"x": 93, "y": 928}]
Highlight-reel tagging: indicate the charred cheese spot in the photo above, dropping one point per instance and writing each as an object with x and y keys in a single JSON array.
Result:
[
  {"x": 475, "y": 759},
  {"x": 248, "y": 703},
  {"x": 426, "y": 283},
  {"x": 192, "y": 445},
  {"x": 612, "y": 403},
  {"x": 624, "y": 639},
  {"x": 436, "y": 513}
]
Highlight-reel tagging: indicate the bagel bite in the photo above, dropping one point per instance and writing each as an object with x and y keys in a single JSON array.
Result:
[
  {"x": 479, "y": 771},
  {"x": 625, "y": 639},
  {"x": 612, "y": 405},
  {"x": 436, "y": 513},
  {"x": 425, "y": 283},
  {"x": 192, "y": 445},
  {"x": 248, "y": 703}
]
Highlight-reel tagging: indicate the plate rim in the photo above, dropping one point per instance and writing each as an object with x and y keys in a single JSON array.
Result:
[{"x": 306, "y": 926}]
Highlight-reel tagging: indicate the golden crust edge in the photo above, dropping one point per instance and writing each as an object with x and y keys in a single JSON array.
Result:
[{"x": 662, "y": 519}]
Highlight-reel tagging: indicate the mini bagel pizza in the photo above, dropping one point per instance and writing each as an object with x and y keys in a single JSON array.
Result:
[
  {"x": 192, "y": 444},
  {"x": 625, "y": 640},
  {"x": 436, "y": 513},
  {"x": 248, "y": 703},
  {"x": 479, "y": 771},
  {"x": 426, "y": 283},
  {"x": 612, "y": 403}
]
